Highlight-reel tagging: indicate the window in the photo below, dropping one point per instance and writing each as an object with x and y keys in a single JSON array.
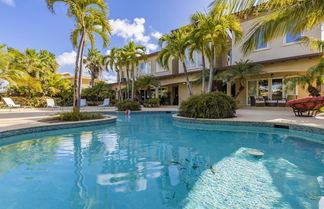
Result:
[
  {"x": 277, "y": 93},
  {"x": 290, "y": 91},
  {"x": 252, "y": 90},
  {"x": 196, "y": 62},
  {"x": 263, "y": 88},
  {"x": 291, "y": 38},
  {"x": 159, "y": 68},
  {"x": 145, "y": 68},
  {"x": 261, "y": 44}
]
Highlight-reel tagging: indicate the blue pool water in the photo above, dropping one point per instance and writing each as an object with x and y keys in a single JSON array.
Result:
[{"x": 148, "y": 161}]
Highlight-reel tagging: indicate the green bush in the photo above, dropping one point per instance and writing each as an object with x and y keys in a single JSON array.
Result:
[
  {"x": 72, "y": 116},
  {"x": 40, "y": 102},
  {"x": 154, "y": 102},
  {"x": 211, "y": 105},
  {"x": 128, "y": 105}
]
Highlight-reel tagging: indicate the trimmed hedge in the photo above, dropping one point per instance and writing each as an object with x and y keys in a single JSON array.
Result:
[
  {"x": 213, "y": 105},
  {"x": 153, "y": 102},
  {"x": 128, "y": 105},
  {"x": 72, "y": 116}
]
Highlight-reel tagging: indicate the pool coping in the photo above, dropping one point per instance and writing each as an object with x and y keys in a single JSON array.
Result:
[
  {"x": 57, "y": 126},
  {"x": 269, "y": 124}
]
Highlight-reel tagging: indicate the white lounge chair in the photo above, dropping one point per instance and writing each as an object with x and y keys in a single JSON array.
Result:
[
  {"x": 83, "y": 103},
  {"x": 9, "y": 102},
  {"x": 106, "y": 103},
  {"x": 51, "y": 103}
]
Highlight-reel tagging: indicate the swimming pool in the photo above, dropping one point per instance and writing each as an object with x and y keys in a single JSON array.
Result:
[{"x": 150, "y": 161}]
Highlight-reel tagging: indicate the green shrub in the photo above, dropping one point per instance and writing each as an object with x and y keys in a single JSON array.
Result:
[
  {"x": 128, "y": 105},
  {"x": 212, "y": 105},
  {"x": 154, "y": 102},
  {"x": 72, "y": 116}
]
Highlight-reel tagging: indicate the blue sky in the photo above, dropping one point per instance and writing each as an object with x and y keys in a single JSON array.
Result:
[{"x": 29, "y": 24}]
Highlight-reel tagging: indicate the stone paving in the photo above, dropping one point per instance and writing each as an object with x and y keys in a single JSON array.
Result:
[{"x": 11, "y": 119}]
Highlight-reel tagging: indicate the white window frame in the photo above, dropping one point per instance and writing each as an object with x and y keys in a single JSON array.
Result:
[
  {"x": 291, "y": 43},
  {"x": 146, "y": 63}
]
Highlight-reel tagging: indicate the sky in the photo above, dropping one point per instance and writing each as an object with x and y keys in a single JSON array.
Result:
[{"x": 29, "y": 24}]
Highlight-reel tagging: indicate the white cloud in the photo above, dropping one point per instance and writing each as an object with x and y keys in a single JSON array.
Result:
[
  {"x": 135, "y": 31},
  {"x": 109, "y": 77},
  {"x": 151, "y": 47},
  {"x": 67, "y": 58},
  {"x": 125, "y": 29},
  {"x": 156, "y": 35},
  {"x": 8, "y": 2}
]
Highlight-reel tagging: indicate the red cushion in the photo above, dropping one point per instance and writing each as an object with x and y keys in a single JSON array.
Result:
[{"x": 308, "y": 103}]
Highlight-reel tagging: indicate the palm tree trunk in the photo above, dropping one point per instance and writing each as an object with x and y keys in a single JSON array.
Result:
[
  {"x": 80, "y": 73},
  {"x": 203, "y": 76},
  {"x": 133, "y": 83},
  {"x": 187, "y": 78},
  {"x": 127, "y": 83},
  {"x": 239, "y": 91},
  {"x": 119, "y": 86},
  {"x": 76, "y": 77},
  {"x": 211, "y": 71}
]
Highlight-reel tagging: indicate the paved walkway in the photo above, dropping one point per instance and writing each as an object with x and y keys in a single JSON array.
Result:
[{"x": 29, "y": 117}]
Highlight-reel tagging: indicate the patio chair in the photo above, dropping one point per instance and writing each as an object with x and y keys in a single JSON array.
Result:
[
  {"x": 306, "y": 107},
  {"x": 106, "y": 103},
  {"x": 9, "y": 102},
  {"x": 51, "y": 103},
  {"x": 260, "y": 101},
  {"x": 83, "y": 103}
]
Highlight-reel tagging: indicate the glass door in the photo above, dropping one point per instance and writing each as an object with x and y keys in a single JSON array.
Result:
[{"x": 252, "y": 90}]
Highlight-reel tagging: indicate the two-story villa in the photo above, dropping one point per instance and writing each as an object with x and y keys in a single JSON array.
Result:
[{"x": 281, "y": 58}]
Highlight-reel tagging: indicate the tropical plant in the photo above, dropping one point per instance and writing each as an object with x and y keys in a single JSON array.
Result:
[
  {"x": 239, "y": 74},
  {"x": 128, "y": 105},
  {"x": 174, "y": 46},
  {"x": 133, "y": 54},
  {"x": 216, "y": 29},
  {"x": 94, "y": 64},
  {"x": 304, "y": 80},
  {"x": 98, "y": 92},
  {"x": 91, "y": 18},
  {"x": 211, "y": 105},
  {"x": 147, "y": 82}
]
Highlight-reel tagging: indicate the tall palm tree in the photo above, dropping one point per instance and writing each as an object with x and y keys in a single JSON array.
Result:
[
  {"x": 174, "y": 45},
  {"x": 114, "y": 61},
  {"x": 133, "y": 54},
  {"x": 239, "y": 74},
  {"x": 218, "y": 28},
  {"x": 94, "y": 64},
  {"x": 91, "y": 18},
  {"x": 198, "y": 43}
]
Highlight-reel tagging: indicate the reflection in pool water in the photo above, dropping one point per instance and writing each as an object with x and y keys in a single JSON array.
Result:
[{"x": 148, "y": 161}]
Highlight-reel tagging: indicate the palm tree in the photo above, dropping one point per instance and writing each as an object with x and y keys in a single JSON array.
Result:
[
  {"x": 239, "y": 74},
  {"x": 114, "y": 61},
  {"x": 174, "y": 45},
  {"x": 133, "y": 54},
  {"x": 12, "y": 72},
  {"x": 216, "y": 29},
  {"x": 94, "y": 64},
  {"x": 91, "y": 18},
  {"x": 198, "y": 43},
  {"x": 147, "y": 82}
]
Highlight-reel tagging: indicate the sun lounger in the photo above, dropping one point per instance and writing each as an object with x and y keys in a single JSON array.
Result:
[
  {"x": 51, "y": 103},
  {"x": 83, "y": 103},
  {"x": 10, "y": 103},
  {"x": 105, "y": 103},
  {"x": 308, "y": 106}
]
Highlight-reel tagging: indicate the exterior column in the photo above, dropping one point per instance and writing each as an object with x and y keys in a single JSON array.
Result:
[
  {"x": 229, "y": 89},
  {"x": 156, "y": 92}
]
